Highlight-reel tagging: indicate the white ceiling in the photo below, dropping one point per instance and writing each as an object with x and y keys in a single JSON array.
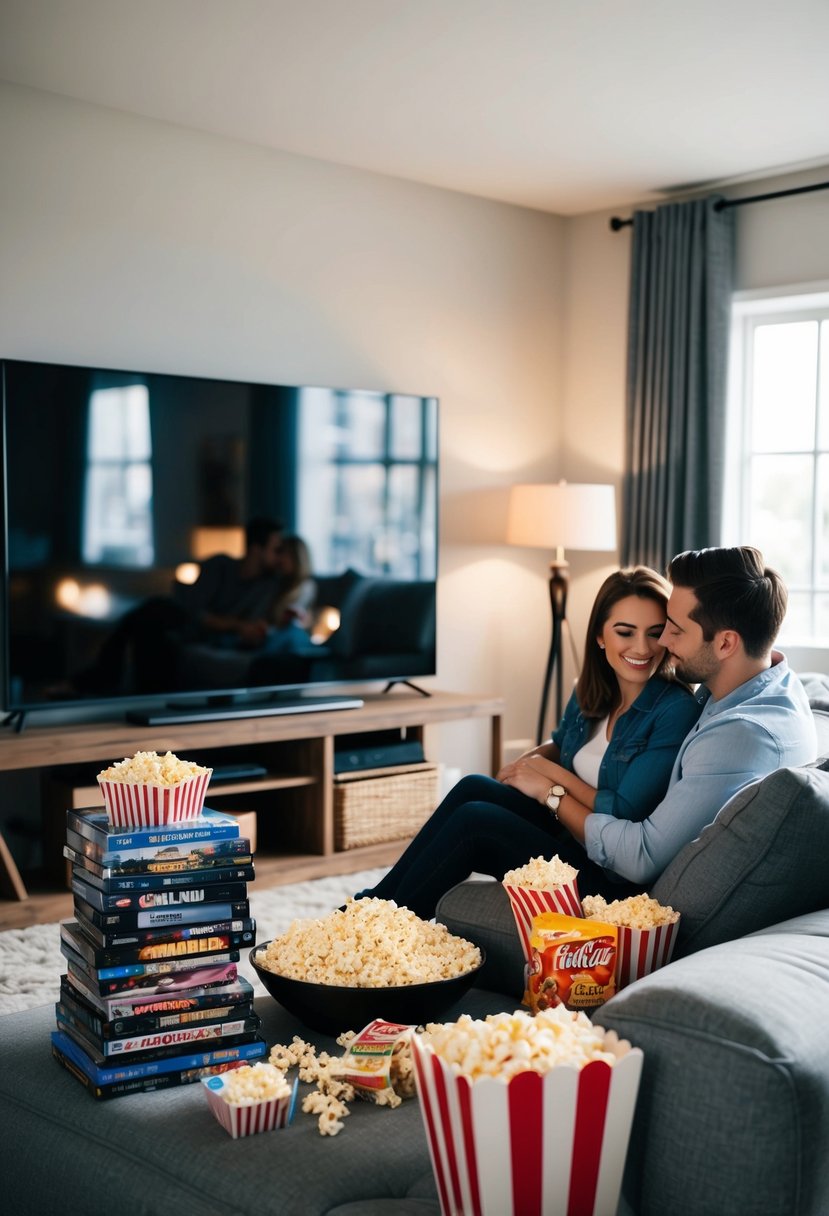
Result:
[{"x": 564, "y": 105}]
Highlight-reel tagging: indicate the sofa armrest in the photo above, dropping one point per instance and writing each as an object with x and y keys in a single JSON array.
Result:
[
  {"x": 480, "y": 911},
  {"x": 733, "y": 1110}
]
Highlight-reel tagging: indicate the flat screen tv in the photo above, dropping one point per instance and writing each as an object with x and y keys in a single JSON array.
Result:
[{"x": 135, "y": 572}]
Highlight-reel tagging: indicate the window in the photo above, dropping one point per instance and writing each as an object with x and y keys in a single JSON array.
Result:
[
  {"x": 370, "y": 502},
  {"x": 117, "y": 520},
  {"x": 777, "y": 477}
]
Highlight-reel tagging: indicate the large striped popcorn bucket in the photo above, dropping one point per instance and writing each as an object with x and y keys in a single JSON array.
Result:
[
  {"x": 640, "y": 951},
  {"x": 264, "y": 1116},
  {"x": 551, "y": 1144},
  {"x": 527, "y": 902},
  {"x": 142, "y": 805}
]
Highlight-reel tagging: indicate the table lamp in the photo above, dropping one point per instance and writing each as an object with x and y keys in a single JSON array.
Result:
[{"x": 558, "y": 517}]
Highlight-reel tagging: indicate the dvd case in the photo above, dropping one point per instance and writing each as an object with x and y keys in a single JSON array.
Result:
[
  {"x": 156, "y": 1044},
  {"x": 129, "y": 1015},
  {"x": 145, "y": 919},
  {"x": 168, "y": 859},
  {"x": 93, "y": 824},
  {"x": 126, "y": 1070},
  {"x": 116, "y": 902},
  {"x": 193, "y": 941},
  {"x": 141, "y": 1085},
  {"x": 169, "y": 978},
  {"x": 241, "y": 870},
  {"x": 112, "y": 939}
]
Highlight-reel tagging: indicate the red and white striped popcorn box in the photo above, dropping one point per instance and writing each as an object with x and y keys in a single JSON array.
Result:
[
  {"x": 641, "y": 951},
  {"x": 238, "y": 1121},
  {"x": 140, "y": 805},
  {"x": 551, "y": 1144},
  {"x": 527, "y": 902}
]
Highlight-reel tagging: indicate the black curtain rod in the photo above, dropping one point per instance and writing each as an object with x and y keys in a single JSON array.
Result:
[{"x": 616, "y": 222}]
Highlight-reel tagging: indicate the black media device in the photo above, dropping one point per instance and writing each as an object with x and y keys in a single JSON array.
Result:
[
  {"x": 123, "y": 489},
  {"x": 378, "y": 749}
]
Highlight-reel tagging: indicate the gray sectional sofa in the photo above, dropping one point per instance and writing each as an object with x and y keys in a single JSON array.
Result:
[{"x": 733, "y": 1111}]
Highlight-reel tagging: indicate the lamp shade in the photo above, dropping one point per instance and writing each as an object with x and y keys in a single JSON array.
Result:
[
  {"x": 562, "y": 516},
  {"x": 206, "y": 542}
]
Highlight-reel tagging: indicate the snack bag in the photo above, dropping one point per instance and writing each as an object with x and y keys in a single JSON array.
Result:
[
  {"x": 572, "y": 962},
  {"x": 378, "y": 1061}
]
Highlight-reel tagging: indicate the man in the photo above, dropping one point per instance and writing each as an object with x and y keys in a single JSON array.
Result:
[
  {"x": 228, "y": 605},
  {"x": 724, "y": 613},
  {"x": 231, "y": 601}
]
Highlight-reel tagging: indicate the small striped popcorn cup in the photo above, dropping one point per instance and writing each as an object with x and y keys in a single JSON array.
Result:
[
  {"x": 646, "y": 933},
  {"x": 641, "y": 951},
  {"x": 252, "y": 1116},
  {"x": 546, "y": 1144},
  {"x": 541, "y": 885},
  {"x": 143, "y": 804}
]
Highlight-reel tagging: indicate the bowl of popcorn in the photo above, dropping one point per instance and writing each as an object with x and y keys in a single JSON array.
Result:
[
  {"x": 369, "y": 960},
  {"x": 252, "y": 1098},
  {"x": 532, "y": 1113},
  {"x": 646, "y": 933},
  {"x": 542, "y": 885},
  {"x": 147, "y": 790}
]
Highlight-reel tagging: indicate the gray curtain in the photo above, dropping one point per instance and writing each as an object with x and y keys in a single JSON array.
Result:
[{"x": 680, "y": 298}]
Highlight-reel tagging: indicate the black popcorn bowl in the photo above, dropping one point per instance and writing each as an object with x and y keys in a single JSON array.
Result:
[{"x": 332, "y": 1010}]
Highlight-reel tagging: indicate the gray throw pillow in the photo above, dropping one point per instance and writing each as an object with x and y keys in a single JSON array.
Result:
[{"x": 762, "y": 860}]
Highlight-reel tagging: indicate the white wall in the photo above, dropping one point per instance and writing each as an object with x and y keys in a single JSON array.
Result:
[
  {"x": 130, "y": 242},
  {"x": 779, "y": 243}
]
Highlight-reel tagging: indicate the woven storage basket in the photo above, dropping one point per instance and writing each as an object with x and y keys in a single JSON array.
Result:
[{"x": 371, "y": 809}]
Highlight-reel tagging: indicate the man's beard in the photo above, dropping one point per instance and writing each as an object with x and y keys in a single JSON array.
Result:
[{"x": 699, "y": 668}]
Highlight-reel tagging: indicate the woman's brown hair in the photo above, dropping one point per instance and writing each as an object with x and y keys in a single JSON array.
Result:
[{"x": 597, "y": 689}]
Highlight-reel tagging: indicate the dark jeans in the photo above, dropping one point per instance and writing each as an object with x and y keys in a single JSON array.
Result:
[{"x": 485, "y": 827}]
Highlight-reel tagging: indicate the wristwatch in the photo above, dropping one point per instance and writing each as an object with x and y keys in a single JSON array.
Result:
[{"x": 554, "y": 797}]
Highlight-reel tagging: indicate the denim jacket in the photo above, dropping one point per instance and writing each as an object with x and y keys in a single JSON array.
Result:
[{"x": 636, "y": 767}]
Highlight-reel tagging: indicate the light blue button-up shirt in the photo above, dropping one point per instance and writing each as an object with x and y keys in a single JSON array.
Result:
[{"x": 763, "y": 725}]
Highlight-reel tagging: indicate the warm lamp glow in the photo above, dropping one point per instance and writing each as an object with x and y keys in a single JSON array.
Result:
[
  {"x": 92, "y": 600},
  {"x": 68, "y": 594},
  {"x": 207, "y": 542},
  {"x": 95, "y": 601},
  {"x": 187, "y": 573},
  {"x": 562, "y": 516},
  {"x": 327, "y": 622}
]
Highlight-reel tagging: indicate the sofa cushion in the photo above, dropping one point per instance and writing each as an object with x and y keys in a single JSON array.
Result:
[
  {"x": 480, "y": 911},
  {"x": 157, "y": 1153},
  {"x": 762, "y": 860}
]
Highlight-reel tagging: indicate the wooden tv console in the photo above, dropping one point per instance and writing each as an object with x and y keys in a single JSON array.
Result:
[{"x": 297, "y": 750}]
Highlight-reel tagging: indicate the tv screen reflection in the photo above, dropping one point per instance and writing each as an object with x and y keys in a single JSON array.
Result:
[{"x": 168, "y": 535}]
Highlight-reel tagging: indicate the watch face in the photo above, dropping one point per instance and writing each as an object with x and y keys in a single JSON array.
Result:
[{"x": 555, "y": 796}]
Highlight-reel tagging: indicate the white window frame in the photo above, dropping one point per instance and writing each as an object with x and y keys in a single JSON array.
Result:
[{"x": 801, "y": 302}]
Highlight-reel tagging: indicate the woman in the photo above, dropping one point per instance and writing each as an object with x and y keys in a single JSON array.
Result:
[
  {"x": 612, "y": 754},
  {"x": 296, "y": 591}
]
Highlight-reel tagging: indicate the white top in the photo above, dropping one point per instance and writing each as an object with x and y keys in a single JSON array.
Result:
[{"x": 587, "y": 759}]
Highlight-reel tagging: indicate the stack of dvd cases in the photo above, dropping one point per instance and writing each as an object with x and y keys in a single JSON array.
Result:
[{"x": 151, "y": 997}]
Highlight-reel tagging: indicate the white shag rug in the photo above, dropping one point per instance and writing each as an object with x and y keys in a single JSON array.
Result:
[{"x": 31, "y": 963}]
